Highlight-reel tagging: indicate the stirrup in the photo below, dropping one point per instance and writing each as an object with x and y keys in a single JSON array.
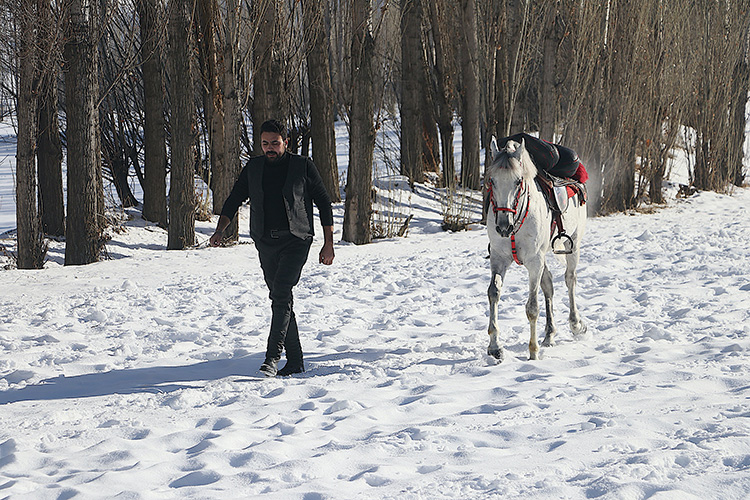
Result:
[{"x": 565, "y": 250}]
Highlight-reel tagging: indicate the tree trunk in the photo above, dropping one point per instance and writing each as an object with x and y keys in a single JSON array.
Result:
[
  {"x": 232, "y": 113},
  {"x": 321, "y": 98},
  {"x": 49, "y": 158},
  {"x": 83, "y": 224},
  {"x": 411, "y": 91},
  {"x": 114, "y": 154},
  {"x": 430, "y": 138},
  {"x": 30, "y": 240},
  {"x": 740, "y": 87},
  {"x": 470, "y": 97},
  {"x": 442, "y": 83},
  {"x": 446, "y": 146},
  {"x": 49, "y": 146},
  {"x": 358, "y": 206},
  {"x": 212, "y": 71},
  {"x": 619, "y": 129},
  {"x": 181, "y": 189},
  {"x": 267, "y": 84},
  {"x": 547, "y": 93},
  {"x": 154, "y": 135}
]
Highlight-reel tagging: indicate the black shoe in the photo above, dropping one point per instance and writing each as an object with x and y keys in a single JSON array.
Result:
[
  {"x": 291, "y": 367},
  {"x": 268, "y": 368}
]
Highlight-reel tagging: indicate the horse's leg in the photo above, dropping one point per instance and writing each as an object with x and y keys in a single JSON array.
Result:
[
  {"x": 493, "y": 293},
  {"x": 535, "y": 268},
  {"x": 577, "y": 325},
  {"x": 549, "y": 331}
]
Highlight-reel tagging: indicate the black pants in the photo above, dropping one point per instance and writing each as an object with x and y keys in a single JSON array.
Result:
[{"x": 282, "y": 259}]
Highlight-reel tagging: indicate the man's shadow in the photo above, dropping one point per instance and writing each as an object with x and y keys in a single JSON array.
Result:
[{"x": 159, "y": 379}]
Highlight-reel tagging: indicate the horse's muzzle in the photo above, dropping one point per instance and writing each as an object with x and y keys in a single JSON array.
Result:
[{"x": 504, "y": 230}]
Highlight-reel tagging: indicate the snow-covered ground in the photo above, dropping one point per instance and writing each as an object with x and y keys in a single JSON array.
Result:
[{"x": 136, "y": 377}]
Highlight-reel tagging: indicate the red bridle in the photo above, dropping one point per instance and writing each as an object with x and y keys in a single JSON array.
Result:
[{"x": 522, "y": 189}]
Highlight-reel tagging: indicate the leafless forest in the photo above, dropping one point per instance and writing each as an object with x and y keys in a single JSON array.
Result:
[{"x": 172, "y": 89}]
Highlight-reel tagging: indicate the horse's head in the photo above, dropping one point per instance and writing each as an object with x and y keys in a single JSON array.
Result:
[
  {"x": 513, "y": 156},
  {"x": 510, "y": 173}
]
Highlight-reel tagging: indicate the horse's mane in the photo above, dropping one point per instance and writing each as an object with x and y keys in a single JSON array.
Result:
[{"x": 516, "y": 159}]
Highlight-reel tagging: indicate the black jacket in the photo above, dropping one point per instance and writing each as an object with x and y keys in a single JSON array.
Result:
[{"x": 302, "y": 188}]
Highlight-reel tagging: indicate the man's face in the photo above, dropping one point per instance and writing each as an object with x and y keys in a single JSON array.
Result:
[{"x": 273, "y": 145}]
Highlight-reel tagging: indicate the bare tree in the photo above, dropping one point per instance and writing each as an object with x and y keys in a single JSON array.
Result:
[
  {"x": 411, "y": 90},
  {"x": 232, "y": 112},
  {"x": 510, "y": 54},
  {"x": 661, "y": 100},
  {"x": 181, "y": 189},
  {"x": 30, "y": 241},
  {"x": 358, "y": 205},
  {"x": 322, "y": 106},
  {"x": 339, "y": 15},
  {"x": 738, "y": 102},
  {"x": 154, "y": 131},
  {"x": 268, "y": 83},
  {"x": 430, "y": 134},
  {"x": 548, "y": 85},
  {"x": 210, "y": 49},
  {"x": 85, "y": 207},
  {"x": 443, "y": 77},
  {"x": 721, "y": 35},
  {"x": 49, "y": 147},
  {"x": 470, "y": 114}
]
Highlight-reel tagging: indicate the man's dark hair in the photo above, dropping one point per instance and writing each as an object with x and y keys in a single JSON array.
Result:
[{"x": 274, "y": 127}]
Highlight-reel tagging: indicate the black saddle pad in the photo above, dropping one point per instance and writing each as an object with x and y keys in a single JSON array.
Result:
[{"x": 553, "y": 158}]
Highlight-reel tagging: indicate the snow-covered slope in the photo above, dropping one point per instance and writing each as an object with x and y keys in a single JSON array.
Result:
[{"x": 137, "y": 377}]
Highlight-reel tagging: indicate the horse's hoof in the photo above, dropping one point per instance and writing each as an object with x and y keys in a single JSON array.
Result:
[
  {"x": 579, "y": 329},
  {"x": 496, "y": 353},
  {"x": 548, "y": 342}
]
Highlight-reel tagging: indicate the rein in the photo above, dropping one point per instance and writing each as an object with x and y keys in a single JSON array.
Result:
[{"x": 522, "y": 190}]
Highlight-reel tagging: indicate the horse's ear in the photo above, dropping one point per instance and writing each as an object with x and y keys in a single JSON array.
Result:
[
  {"x": 522, "y": 146},
  {"x": 493, "y": 147}
]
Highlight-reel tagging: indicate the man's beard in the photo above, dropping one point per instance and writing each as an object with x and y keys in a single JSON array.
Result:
[{"x": 274, "y": 157}]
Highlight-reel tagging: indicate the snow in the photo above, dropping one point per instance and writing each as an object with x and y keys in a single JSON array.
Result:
[{"x": 136, "y": 377}]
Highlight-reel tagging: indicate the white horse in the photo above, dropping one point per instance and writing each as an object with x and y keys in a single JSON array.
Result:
[{"x": 519, "y": 225}]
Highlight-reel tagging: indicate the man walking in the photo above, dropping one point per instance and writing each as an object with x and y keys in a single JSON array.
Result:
[{"x": 282, "y": 188}]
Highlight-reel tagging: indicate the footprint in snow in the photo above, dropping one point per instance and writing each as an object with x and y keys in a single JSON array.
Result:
[
  {"x": 428, "y": 469},
  {"x": 284, "y": 429},
  {"x": 199, "y": 448},
  {"x": 138, "y": 434},
  {"x": 317, "y": 392},
  {"x": 274, "y": 393},
  {"x": 222, "y": 424},
  {"x": 337, "y": 407},
  {"x": 197, "y": 478}
]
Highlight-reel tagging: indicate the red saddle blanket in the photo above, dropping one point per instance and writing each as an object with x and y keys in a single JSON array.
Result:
[{"x": 574, "y": 186}]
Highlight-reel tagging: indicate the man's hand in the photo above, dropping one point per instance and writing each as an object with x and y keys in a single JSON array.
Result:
[
  {"x": 327, "y": 254},
  {"x": 215, "y": 240}
]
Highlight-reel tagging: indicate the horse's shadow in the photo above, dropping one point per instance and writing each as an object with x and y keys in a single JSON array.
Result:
[{"x": 159, "y": 379}]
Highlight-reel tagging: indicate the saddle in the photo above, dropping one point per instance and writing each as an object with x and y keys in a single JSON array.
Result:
[{"x": 557, "y": 193}]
